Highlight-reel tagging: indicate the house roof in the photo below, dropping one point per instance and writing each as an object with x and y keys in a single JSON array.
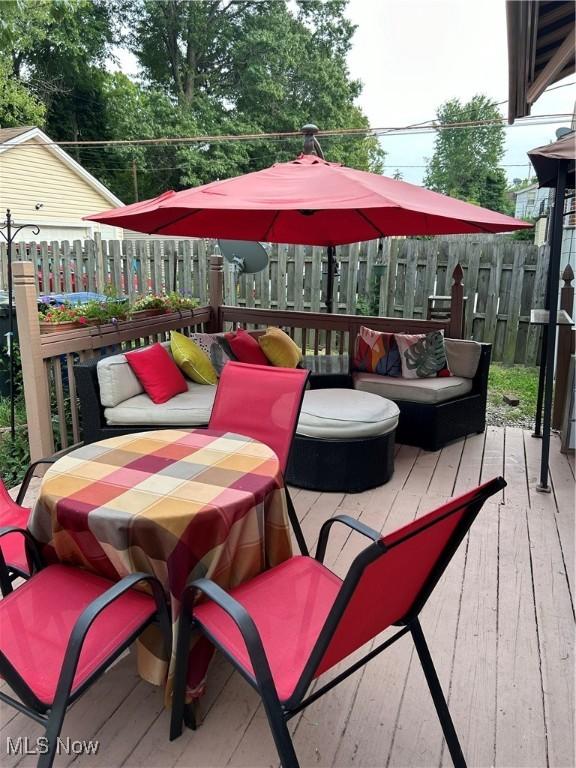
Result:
[
  {"x": 524, "y": 189},
  {"x": 10, "y": 133},
  {"x": 14, "y": 137},
  {"x": 540, "y": 50}
]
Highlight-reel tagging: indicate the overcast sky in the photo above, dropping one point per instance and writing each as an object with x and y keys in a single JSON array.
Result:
[{"x": 412, "y": 55}]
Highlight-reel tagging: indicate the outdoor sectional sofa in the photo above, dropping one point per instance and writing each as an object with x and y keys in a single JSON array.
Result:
[{"x": 433, "y": 412}]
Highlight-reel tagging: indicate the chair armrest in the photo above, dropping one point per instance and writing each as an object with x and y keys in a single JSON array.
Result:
[
  {"x": 240, "y": 617},
  {"x": 351, "y": 522},
  {"x": 28, "y": 477},
  {"x": 88, "y": 390},
  {"x": 480, "y": 380},
  {"x": 31, "y": 546},
  {"x": 93, "y": 610}
]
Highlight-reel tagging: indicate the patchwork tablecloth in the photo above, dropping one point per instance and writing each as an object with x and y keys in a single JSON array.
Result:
[{"x": 173, "y": 503}]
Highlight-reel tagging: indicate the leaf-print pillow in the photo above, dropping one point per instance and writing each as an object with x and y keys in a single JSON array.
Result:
[{"x": 422, "y": 355}]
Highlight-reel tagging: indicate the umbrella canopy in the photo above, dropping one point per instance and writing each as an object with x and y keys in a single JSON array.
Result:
[
  {"x": 545, "y": 160},
  {"x": 308, "y": 201}
]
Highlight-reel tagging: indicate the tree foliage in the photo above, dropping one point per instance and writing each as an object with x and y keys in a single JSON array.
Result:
[
  {"x": 211, "y": 68},
  {"x": 466, "y": 160}
]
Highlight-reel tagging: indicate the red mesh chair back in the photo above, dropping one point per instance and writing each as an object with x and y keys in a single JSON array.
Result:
[
  {"x": 261, "y": 402},
  {"x": 396, "y": 584}
]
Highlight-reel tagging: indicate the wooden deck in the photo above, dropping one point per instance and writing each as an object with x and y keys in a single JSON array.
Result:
[{"x": 500, "y": 627}]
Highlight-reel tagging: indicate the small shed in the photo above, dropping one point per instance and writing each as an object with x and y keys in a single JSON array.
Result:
[{"x": 43, "y": 185}]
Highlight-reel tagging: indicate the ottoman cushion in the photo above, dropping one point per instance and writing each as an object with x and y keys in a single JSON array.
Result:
[{"x": 345, "y": 414}]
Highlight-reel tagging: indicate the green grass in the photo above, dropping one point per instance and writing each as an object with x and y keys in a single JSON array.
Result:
[{"x": 517, "y": 380}]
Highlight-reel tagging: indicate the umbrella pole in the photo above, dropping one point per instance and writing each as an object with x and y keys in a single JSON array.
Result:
[
  {"x": 554, "y": 269},
  {"x": 330, "y": 279}
]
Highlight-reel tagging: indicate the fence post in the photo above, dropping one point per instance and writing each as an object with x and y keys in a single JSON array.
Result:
[
  {"x": 456, "y": 304},
  {"x": 563, "y": 353},
  {"x": 36, "y": 393},
  {"x": 216, "y": 286}
]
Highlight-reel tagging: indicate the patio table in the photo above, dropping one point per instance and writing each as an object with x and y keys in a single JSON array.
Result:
[{"x": 174, "y": 503}]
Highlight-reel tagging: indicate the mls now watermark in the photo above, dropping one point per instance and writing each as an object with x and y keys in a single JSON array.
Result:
[{"x": 24, "y": 745}]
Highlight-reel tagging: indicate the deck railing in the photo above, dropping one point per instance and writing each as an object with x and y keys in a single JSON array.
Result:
[{"x": 48, "y": 359}]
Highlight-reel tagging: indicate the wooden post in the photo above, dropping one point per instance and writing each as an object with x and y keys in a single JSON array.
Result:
[
  {"x": 563, "y": 353},
  {"x": 456, "y": 304},
  {"x": 216, "y": 286},
  {"x": 36, "y": 393}
]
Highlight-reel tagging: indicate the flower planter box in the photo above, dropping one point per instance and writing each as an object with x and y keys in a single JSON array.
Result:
[
  {"x": 59, "y": 327},
  {"x": 142, "y": 313}
]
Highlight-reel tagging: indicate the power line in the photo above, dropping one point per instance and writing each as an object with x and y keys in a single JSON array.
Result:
[{"x": 550, "y": 119}]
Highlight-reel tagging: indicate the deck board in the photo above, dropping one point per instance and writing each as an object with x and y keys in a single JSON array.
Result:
[{"x": 500, "y": 628}]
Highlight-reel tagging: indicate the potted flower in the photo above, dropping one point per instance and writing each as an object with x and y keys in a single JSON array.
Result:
[
  {"x": 62, "y": 318},
  {"x": 148, "y": 306},
  {"x": 96, "y": 312},
  {"x": 177, "y": 303}
]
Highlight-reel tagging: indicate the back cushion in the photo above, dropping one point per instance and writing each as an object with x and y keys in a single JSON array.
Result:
[
  {"x": 463, "y": 357},
  {"x": 117, "y": 381}
]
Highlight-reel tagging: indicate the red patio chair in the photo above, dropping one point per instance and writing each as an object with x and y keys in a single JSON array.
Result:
[
  {"x": 12, "y": 513},
  {"x": 290, "y": 624},
  {"x": 264, "y": 403},
  {"x": 63, "y": 628}
]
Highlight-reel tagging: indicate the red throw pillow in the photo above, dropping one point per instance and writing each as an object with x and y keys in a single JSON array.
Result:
[
  {"x": 245, "y": 348},
  {"x": 157, "y": 372}
]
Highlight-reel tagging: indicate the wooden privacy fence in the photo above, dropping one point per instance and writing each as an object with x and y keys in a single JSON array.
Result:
[{"x": 503, "y": 279}]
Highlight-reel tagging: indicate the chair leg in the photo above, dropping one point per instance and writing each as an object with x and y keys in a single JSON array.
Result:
[
  {"x": 180, "y": 672},
  {"x": 279, "y": 728},
  {"x": 53, "y": 729},
  {"x": 296, "y": 524},
  {"x": 437, "y": 696}
]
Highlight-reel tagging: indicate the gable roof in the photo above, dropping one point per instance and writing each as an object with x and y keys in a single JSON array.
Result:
[
  {"x": 14, "y": 137},
  {"x": 11, "y": 133}
]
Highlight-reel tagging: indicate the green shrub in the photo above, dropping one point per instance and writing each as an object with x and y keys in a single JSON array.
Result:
[{"x": 14, "y": 457}]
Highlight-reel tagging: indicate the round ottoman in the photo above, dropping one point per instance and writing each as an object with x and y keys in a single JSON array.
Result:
[{"x": 344, "y": 441}]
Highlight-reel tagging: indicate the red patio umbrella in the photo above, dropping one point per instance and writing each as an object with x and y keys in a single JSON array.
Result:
[{"x": 307, "y": 201}]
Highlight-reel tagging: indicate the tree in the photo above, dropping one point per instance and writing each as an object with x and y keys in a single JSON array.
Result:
[
  {"x": 18, "y": 105},
  {"x": 263, "y": 66},
  {"x": 210, "y": 68},
  {"x": 465, "y": 163}
]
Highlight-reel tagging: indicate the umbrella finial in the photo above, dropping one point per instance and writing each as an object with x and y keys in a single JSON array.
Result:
[{"x": 311, "y": 144}]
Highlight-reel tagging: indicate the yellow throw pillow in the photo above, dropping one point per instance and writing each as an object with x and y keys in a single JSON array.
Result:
[
  {"x": 279, "y": 348},
  {"x": 191, "y": 359}
]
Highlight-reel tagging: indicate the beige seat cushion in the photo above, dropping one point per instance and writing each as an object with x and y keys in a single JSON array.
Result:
[
  {"x": 190, "y": 409},
  {"x": 345, "y": 413},
  {"x": 463, "y": 357},
  {"x": 415, "y": 390}
]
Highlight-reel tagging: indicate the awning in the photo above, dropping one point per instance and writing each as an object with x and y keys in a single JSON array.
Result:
[{"x": 545, "y": 160}]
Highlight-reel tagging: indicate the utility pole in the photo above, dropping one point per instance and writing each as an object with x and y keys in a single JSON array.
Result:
[{"x": 135, "y": 179}]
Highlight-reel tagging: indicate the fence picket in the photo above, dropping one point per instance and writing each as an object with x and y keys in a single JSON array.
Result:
[{"x": 513, "y": 312}]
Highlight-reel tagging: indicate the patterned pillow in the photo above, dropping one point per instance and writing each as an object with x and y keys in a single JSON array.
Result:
[
  {"x": 376, "y": 352},
  {"x": 216, "y": 348},
  {"x": 423, "y": 355}
]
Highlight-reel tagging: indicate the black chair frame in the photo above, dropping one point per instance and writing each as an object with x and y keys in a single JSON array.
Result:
[
  {"x": 278, "y": 712},
  {"x": 52, "y": 716}
]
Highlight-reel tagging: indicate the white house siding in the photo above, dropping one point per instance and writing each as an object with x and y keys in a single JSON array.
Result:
[{"x": 31, "y": 175}]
